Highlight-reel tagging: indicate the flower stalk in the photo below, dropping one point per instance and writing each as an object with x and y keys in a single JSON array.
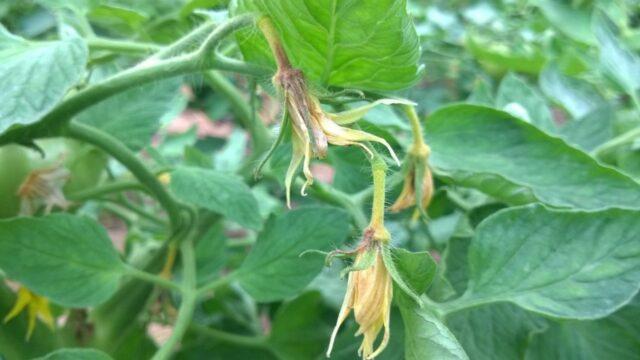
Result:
[
  {"x": 370, "y": 286},
  {"x": 418, "y": 186}
]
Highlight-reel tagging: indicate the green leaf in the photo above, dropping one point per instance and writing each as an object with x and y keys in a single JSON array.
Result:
[
  {"x": 455, "y": 262},
  {"x": 516, "y": 97},
  {"x": 591, "y": 130},
  {"x": 415, "y": 269},
  {"x": 482, "y": 93},
  {"x": 76, "y": 354},
  {"x": 616, "y": 337},
  {"x": 274, "y": 269},
  {"x": 499, "y": 57},
  {"x": 577, "y": 96},
  {"x": 369, "y": 44},
  {"x": 135, "y": 115},
  {"x": 567, "y": 264},
  {"x": 36, "y": 76},
  {"x": 67, "y": 258},
  {"x": 572, "y": 21},
  {"x": 496, "y": 331},
  {"x": 503, "y": 156},
  {"x": 298, "y": 331},
  {"x": 618, "y": 62},
  {"x": 426, "y": 337},
  {"x": 222, "y": 193},
  {"x": 211, "y": 254}
]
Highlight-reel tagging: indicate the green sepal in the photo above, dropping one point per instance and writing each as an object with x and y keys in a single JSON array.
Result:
[
  {"x": 420, "y": 171},
  {"x": 365, "y": 262},
  {"x": 285, "y": 124},
  {"x": 387, "y": 257}
]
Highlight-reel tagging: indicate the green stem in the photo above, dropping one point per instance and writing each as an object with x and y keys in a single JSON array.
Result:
[
  {"x": 187, "y": 41},
  {"x": 146, "y": 72},
  {"x": 121, "y": 46},
  {"x": 379, "y": 171},
  {"x": 202, "y": 291},
  {"x": 125, "y": 203},
  {"x": 258, "y": 131},
  {"x": 155, "y": 279},
  {"x": 416, "y": 128},
  {"x": 229, "y": 338},
  {"x": 189, "y": 299},
  {"x": 620, "y": 140},
  {"x": 120, "y": 152},
  {"x": 112, "y": 187}
]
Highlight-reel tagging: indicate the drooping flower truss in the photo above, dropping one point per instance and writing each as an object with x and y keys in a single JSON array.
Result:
[
  {"x": 373, "y": 273},
  {"x": 37, "y": 307},
  {"x": 312, "y": 128},
  {"x": 418, "y": 186}
]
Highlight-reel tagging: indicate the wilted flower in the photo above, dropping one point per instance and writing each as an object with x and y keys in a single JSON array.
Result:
[
  {"x": 43, "y": 187},
  {"x": 369, "y": 295},
  {"x": 418, "y": 182},
  {"x": 37, "y": 307},
  {"x": 314, "y": 129}
]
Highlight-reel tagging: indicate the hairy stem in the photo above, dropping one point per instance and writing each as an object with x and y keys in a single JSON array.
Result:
[
  {"x": 229, "y": 338},
  {"x": 189, "y": 299},
  {"x": 154, "y": 70},
  {"x": 379, "y": 171},
  {"x": 258, "y": 131},
  {"x": 155, "y": 279},
  {"x": 106, "y": 189},
  {"x": 416, "y": 128},
  {"x": 120, "y": 152}
]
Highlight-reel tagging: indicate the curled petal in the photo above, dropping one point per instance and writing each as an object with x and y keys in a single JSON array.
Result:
[
  {"x": 339, "y": 135},
  {"x": 296, "y": 159},
  {"x": 347, "y": 305},
  {"x": 353, "y": 115}
]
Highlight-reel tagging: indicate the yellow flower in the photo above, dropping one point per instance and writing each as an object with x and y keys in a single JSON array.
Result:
[
  {"x": 418, "y": 174},
  {"x": 37, "y": 307},
  {"x": 43, "y": 187},
  {"x": 369, "y": 295}
]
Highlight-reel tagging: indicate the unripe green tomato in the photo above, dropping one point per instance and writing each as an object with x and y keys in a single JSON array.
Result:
[{"x": 14, "y": 167}]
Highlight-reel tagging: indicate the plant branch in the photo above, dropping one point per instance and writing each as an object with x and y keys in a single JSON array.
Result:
[
  {"x": 106, "y": 189},
  {"x": 120, "y": 152},
  {"x": 121, "y": 46},
  {"x": 620, "y": 140},
  {"x": 189, "y": 299},
  {"x": 155, "y": 279},
  {"x": 416, "y": 128},
  {"x": 146, "y": 72},
  {"x": 229, "y": 338},
  {"x": 258, "y": 131}
]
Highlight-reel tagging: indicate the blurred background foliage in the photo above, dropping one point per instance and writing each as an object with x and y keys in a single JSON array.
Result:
[{"x": 555, "y": 63}]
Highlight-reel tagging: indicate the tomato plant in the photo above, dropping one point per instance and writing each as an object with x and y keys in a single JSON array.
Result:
[{"x": 297, "y": 179}]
